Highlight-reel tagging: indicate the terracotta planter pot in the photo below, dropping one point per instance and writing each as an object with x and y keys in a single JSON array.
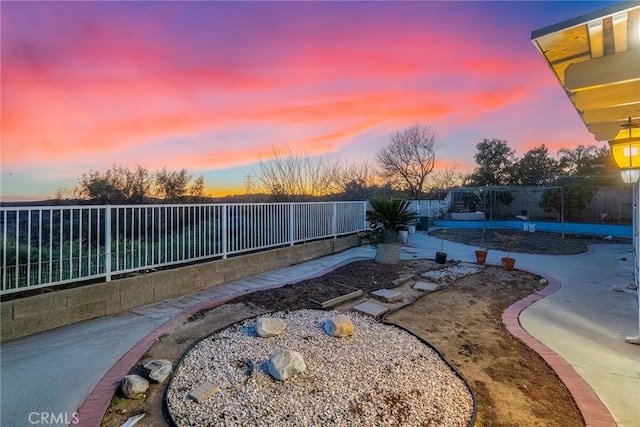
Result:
[
  {"x": 481, "y": 257},
  {"x": 508, "y": 263}
]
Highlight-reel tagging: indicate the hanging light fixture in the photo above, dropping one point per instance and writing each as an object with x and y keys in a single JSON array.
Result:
[
  {"x": 630, "y": 175},
  {"x": 625, "y": 148}
]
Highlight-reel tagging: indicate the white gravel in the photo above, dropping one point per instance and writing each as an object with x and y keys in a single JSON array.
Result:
[{"x": 380, "y": 376}]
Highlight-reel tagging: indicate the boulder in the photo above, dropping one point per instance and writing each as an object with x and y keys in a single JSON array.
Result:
[
  {"x": 157, "y": 370},
  {"x": 133, "y": 386},
  {"x": 269, "y": 327},
  {"x": 339, "y": 326},
  {"x": 285, "y": 364}
]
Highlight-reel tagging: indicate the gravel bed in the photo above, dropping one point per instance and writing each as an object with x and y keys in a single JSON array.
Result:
[{"x": 381, "y": 375}]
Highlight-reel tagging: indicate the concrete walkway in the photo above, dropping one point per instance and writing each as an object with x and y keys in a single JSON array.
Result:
[{"x": 51, "y": 374}]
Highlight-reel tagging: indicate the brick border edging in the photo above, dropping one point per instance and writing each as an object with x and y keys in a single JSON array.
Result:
[
  {"x": 593, "y": 411},
  {"x": 92, "y": 410}
]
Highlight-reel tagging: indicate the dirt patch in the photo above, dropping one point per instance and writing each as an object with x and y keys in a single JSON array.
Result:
[
  {"x": 513, "y": 385},
  {"x": 366, "y": 276},
  {"x": 529, "y": 243}
]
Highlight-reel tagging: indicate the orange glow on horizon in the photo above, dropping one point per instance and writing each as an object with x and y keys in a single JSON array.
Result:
[{"x": 215, "y": 86}]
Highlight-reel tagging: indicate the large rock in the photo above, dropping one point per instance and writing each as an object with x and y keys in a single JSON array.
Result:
[
  {"x": 339, "y": 326},
  {"x": 133, "y": 386},
  {"x": 269, "y": 327},
  {"x": 157, "y": 370},
  {"x": 285, "y": 364}
]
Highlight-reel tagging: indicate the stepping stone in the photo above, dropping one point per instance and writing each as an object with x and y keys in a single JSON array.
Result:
[
  {"x": 387, "y": 294},
  {"x": 434, "y": 274},
  {"x": 400, "y": 280},
  {"x": 425, "y": 286},
  {"x": 203, "y": 392},
  {"x": 371, "y": 309}
]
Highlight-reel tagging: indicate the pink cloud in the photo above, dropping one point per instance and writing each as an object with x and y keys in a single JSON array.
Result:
[{"x": 213, "y": 85}]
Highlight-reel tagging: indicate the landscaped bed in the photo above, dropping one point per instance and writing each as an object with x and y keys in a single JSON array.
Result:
[
  {"x": 540, "y": 242},
  {"x": 347, "y": 381},
  {"x": 512, "y": 384}
]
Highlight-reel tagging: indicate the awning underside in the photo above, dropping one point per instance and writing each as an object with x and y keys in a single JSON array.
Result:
[{"x": 597, "y": 61}]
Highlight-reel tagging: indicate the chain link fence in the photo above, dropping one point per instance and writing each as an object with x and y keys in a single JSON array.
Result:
[{"x": 612, "y": 204}]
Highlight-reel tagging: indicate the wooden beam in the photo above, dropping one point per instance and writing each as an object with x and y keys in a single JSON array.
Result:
[
  {"x": 595, "y": 38},
  {"x": 618, "y": 68},
  {"x": 607, "y": 96},
  {"x": 620, "y": 31},
  {"x": 612, "y": 114}
]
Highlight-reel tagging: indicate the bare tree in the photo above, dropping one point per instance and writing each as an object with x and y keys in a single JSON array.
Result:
[
  {"x": 289, "y": 175},
  {"x": 360, "y": 174},
  {"x": 359, "y": 181},
  {"x": 445, "y": 177},
  {"x": 409, "y": 159}
]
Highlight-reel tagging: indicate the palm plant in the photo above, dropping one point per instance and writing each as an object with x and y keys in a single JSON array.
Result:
[{"x": 391, "y": 213}]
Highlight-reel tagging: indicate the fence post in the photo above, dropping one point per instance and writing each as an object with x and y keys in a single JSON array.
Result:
[
  {"x": 291, "y": 224},
  {"x": 334, "y": 220},
  {"x": 224, "y": 230},
  {"x": 364, "y": 208},
  {"x": 107, "y": 242}
]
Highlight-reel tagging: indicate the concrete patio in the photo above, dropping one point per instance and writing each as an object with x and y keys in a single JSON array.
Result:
[{"x": 585, "y": 322}]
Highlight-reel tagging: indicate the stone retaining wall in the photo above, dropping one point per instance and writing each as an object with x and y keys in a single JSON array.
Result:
[{"x": 26, "y": 316}]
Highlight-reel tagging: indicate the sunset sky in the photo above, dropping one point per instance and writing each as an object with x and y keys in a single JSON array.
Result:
[{"x": 215, "y": 86}]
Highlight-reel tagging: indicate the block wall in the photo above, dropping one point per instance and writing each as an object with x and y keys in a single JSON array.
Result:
[{"x": 29, "y": 315}]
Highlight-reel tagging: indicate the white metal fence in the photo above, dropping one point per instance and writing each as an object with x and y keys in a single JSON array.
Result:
[
  {"x": 431, "y": 208},
  {"x": 51, "y": 245}
]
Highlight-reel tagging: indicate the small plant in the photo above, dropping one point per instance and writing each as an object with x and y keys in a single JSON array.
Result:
[
  {"x": 391, "y": 213},
  {"x": 483, "y": 247},
  {"x": 508, "y": 241},
  {"x": 441, "y": 256}
]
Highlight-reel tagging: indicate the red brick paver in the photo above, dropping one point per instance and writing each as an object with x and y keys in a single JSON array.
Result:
[
  {"x": 593, "y": 411},
  {"x": 93, "y": 408}
]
